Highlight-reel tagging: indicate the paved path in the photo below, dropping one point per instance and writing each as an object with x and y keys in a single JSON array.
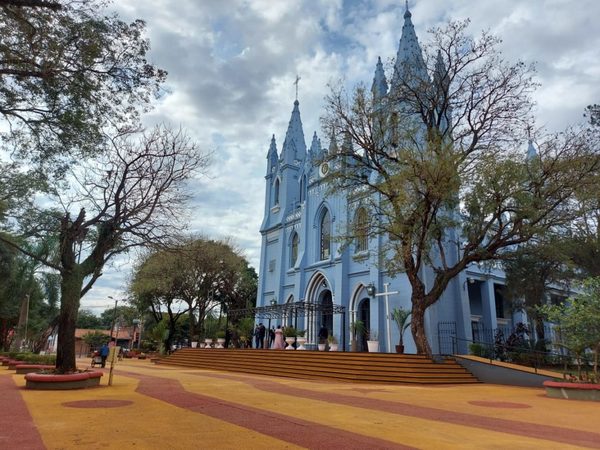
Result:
[{"x": 162, "y": 407}]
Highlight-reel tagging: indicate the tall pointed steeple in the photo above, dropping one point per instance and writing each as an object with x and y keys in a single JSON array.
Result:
[
  {"x": 333, "y": 147},
  {"x": 531, "y": 151},
  {"x": 294, "y": 147},
  {"x": 272, "y": 157},
  {"x": 410, "y": 66},
  {"x": 380, "y": 86},
  {"x": 315, "y": 148}
]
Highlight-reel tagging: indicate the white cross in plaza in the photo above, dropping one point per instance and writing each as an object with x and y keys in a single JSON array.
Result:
[{"x": 386, "y": 294}]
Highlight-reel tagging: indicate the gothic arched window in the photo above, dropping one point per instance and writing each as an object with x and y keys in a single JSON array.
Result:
[
  {"x": 325, "y": 235},
  {"x": 294, "y": 249},
  {"x": 302, "y": 188},
  {"x": 276, "y": 193},
  {"x": 361, "y": 230}
]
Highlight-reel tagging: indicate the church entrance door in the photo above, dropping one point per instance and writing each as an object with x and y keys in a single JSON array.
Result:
[{"x": 364, "y": 315}]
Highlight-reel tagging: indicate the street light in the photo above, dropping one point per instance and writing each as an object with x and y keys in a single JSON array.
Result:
[{"x": 112, "y": 327}]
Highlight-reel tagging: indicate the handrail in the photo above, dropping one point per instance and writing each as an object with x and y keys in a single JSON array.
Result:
[{"x": 535, "y": 356}]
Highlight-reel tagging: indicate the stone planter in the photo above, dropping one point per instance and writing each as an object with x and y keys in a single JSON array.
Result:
[
  {"x": 301, "y": 341},
  {"x": 573, "y": 391},
  {"x": 47, "y": 381},
  {"x": 290, "y": 341},
  {"x": 373, "y": 346},
  {"x": 31, "y": 368},
  {"x": 321, "y": 347},
  {"x": 194, "y": 344},
  {"x": 333, "y": 347},
  {"x": 208, "y": 342},
  {"x": 220, "y": 343}
]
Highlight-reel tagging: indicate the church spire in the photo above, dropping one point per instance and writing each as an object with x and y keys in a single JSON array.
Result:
[
  {"x": 272, "y": 158},
  {"x": 333, "y": 147},
  {"x": 410, "y": 66},
  {"x": 380, "y": 85},
  {"x": 294, "y": 147},
  {"x": 315, "y": 148}
]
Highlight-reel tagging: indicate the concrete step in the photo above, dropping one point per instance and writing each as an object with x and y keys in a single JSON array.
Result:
[{"x": 340, "y": 366}]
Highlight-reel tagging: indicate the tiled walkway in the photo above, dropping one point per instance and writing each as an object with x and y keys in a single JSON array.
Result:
[{"x": 162, "y": 407}]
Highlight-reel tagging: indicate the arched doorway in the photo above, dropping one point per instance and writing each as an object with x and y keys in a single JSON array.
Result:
[
  {"x": 364, "y": 315},
  {"x": 326, "y": 301}
]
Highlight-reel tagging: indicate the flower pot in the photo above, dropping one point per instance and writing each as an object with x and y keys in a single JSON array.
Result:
[
  {"x": 220, "y": 343},
  {"x": 202, "y": 344},
  {"x": 399, "y": 348},
  {"x": 333, "y": 347},
  {"x": 290, "y": 341},
  {"x": 194, "y": 344},
  {"x": 301, "y": 341},
  {"x": 208, "y": 342},
  {"x": 373, "y": 346},
  {"x": 321, "y": 347}
]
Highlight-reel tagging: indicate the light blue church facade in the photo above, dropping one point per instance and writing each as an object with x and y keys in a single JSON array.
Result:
[{"x": 302, "y": 261}]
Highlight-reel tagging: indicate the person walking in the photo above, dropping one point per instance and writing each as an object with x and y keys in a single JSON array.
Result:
[
  {"x": 104, "y": 354},
  {"x": 279, "y": 342}
]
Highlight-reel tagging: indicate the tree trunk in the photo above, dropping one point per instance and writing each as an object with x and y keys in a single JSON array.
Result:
[
  {"x": 417, "y": 327},
  {"x": 71, "y": 285}
]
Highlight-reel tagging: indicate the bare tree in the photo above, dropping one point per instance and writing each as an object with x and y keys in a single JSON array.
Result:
[
  {"x": 439, "y": 163},
  {"x": 132, "y": 196}
]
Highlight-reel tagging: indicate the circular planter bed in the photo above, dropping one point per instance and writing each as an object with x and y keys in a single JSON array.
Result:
[
  {"x": 573, "y": 391},
  {"x": 31, "y": 368},
  {"x": 13, "y": 363},
  {"x": 49, "y": 381}
]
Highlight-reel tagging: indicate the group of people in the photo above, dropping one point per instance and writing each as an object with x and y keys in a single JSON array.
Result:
[{"x": 274, "y": 337}]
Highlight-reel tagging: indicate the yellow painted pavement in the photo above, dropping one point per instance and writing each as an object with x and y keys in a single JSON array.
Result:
[{"x": 151, "y": 424}]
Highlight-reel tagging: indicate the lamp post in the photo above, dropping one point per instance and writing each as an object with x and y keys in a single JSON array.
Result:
[{"x": 112, "y": 327}]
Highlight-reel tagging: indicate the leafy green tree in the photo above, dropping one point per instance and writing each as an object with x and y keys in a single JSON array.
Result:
[
  {"x": 68, "y": 73},
  {"x": 578, "y": 322},
  {"x": 95, "y": 339},
  {"x": 86, "y": 319},
  {"x": 530, "y": 272},
  {"x": 439, "y": 161}
]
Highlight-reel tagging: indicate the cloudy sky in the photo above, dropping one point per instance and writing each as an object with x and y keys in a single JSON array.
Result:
[{"x": 232, "y": 64}]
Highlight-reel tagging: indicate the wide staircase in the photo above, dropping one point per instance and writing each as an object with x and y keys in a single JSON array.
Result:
[{"x": 335, "y": 366}]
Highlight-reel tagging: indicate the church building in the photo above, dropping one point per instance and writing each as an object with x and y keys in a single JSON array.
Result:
[{"x": 302, "y": 261}]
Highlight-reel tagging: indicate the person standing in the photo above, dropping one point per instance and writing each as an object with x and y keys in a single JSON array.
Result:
[
  {"x": 261, "y": 335},
  {"x": 271, "y": 337},
  {"x": 104, "y": 354},
  {"x": 256, "y": 338},
  {"x": 279, "y": 343}
]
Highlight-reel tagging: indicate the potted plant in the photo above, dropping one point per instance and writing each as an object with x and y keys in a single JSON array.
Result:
[
  {"x": 290, "y": 333},
  {"x": 372, "y": 342},
  {"x": 301, "y": 339},
  {"x": 195, "y": 340},
  {"x": 333, "y": 343},
  {"x": 220, "y": 339},
  {"x": 356, "y": 328},
  {"x": 400, "y": 317}
]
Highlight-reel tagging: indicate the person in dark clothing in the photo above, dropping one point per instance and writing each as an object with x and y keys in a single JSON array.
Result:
[
  {"x": 256, "y": 335},
  {"x": 261, "y": 335},
  {"x": 323, "y": 335},
  {"x": 271, "y": 337},
  {"x": 104, "y": 354}
]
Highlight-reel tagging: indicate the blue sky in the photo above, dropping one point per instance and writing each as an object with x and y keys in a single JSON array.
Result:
[{"x": 232, "y": 64}]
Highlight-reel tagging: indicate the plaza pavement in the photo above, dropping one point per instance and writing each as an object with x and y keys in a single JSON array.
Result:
[{"x": 162, "y": 407}]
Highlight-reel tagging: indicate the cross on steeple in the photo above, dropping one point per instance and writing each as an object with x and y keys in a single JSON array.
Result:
[{"x": 296, "y": 83}]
